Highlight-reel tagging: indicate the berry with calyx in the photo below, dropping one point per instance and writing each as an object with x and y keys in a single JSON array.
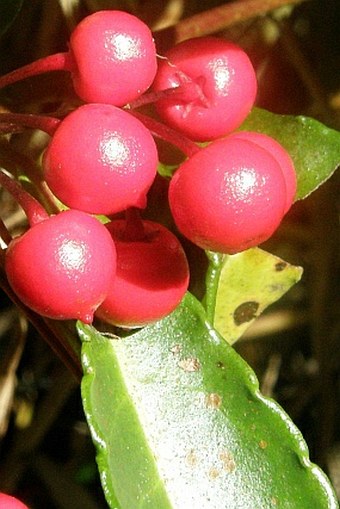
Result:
[
  {"x": 9, "y": 502},
  {"x": 101, "y": 160},
  {"x": 229, "y": 196},
  {"x": 111, "y": 57},
  {"x": 152, "y": 275},
  {"x": 209, "y": 87},
  {"x": 63, "y": 266},
  {"x": 280, "y": 154}
]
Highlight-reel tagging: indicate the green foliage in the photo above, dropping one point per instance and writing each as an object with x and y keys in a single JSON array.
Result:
[
  {"x": 175, "y": 413},
  {"x": 178, "y": 421},
  {"x": 240, "y": 287}
]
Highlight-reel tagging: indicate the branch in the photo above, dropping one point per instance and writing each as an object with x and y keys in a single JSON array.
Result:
[{"x": 216, "y": 19}]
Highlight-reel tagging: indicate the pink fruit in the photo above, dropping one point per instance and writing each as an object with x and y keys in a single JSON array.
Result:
[
  {"x": 280, "y": 154},
  {"x": 218, "y": 87},
  {"x": 62, "y": 267},
  {"x": 115, "y": 57},
  {"x": 152, "y": 276},
  {"x": 101, "y": 160},
  {"x": 229, "y": 196},
  {"x": 9, "y": 502},
  {"x": 112, "y": 59}
]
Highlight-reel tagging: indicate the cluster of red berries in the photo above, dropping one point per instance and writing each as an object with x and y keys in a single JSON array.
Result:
[{"x": 102, "y": 159}]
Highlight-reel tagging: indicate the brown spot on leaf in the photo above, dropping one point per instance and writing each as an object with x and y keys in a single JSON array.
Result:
[
  {"x": 274, "y": 501},
  {"x": 213, "y": 400},
  {"x": 191, "y": 458},
  {"x": 263, "y": 444},
  {"x": 190, "y": 364},
  {"x": 280, "y": 266},
  {"x": 220, "y": 365},
  {"x": 228, "y": 461},
  {"x": 214, "y": 473},
  {"x": 245, "y": 312},
  {"x": 176, "y": 349}
]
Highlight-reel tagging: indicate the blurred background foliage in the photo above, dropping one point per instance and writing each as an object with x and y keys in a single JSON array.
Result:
[{"x": 46, "y": 454}]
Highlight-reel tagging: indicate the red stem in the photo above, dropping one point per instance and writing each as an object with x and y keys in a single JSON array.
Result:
[
  {"x": 41, "y": 122},
  {"x": 188, "y": 147},
  {"x": 57, "y": 62},
  {"x": 34, "y": 211},
  {"x": 134, "y": 227},
  {"x": 188, "y": 91}
]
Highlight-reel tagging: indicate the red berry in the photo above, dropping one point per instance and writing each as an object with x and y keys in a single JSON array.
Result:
[
  {"x": 63, "y": 266},
  {"x": 152, "y": 276},
  {"x": 101, "y": 160},
  {"x": 280, "y": 154},
  {"x": 115, "y": 57},
  {"x": 112, "y": 59},
  {"x": 223, "y": 87},
  {"x": 229, "y": 196},
  {"x": 9, "y": 502}
]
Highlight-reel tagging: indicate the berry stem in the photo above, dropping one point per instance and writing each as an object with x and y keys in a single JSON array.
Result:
[
  {"x": 189, "y": 91},
  {"x": 41, "y": 122},
  {"x": 134, "y": 228},
  {"x": 34, "y": 211},
  {"x": 188, "y": 147},
  {"x": 15, "y": 161},
  {"x": 57, "y": 62}
]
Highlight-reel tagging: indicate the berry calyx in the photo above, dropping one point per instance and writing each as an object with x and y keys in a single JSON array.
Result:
[
  {"x": 9, "y": 502},
  {"x": 152, "y": 275},
  {"x": 228, "y": 197},
  {"x": 280, "y": 154},
  {"x": 101, "y": 160},
  {"x": 112, "y": 59},
  {"x": 216, "y": 87},
  {"x": 62, "y": 267}
]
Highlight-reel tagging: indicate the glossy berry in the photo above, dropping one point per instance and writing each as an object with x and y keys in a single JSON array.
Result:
[
  {"x": 228, "y": 197},
  {"x": 62, "y": 267},
  {"x": 280, "y": 154},
  {"x": 9, "y": 502},
  {"x": 219, "y": 87},
  {"x": 115, "y": 57},
  {"x": 101, "y": 160},
  {"x": 152, "y": 276},
  {"x": 111, "y": 57}
]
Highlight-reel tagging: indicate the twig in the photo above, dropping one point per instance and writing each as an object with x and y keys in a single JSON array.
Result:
[{"x": 217, "y": 19}]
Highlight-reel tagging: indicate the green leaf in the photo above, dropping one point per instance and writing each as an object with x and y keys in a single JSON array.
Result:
[
  {"x": 8, "y": 12},
  {"x": 241, "y": 286},
  {"x": 314, "y": 148},
  {"x": 178, "y": 422}
]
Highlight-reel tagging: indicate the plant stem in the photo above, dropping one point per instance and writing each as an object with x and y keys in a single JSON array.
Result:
[
  {"x": 57, "y": 62},
  {"x": 16, "y": 162},
  {"x": 215, "y": 20},
  {"x": 187, "y": 92},
  {"x": 188, "y": 147},
  {"x": 4, "y": 233},
  {"x": 41, "y": 122},
  {"x": 33, "y": 209},
  {"x": 134, "y": 228},
  {"x": 57, "y": 342}
]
